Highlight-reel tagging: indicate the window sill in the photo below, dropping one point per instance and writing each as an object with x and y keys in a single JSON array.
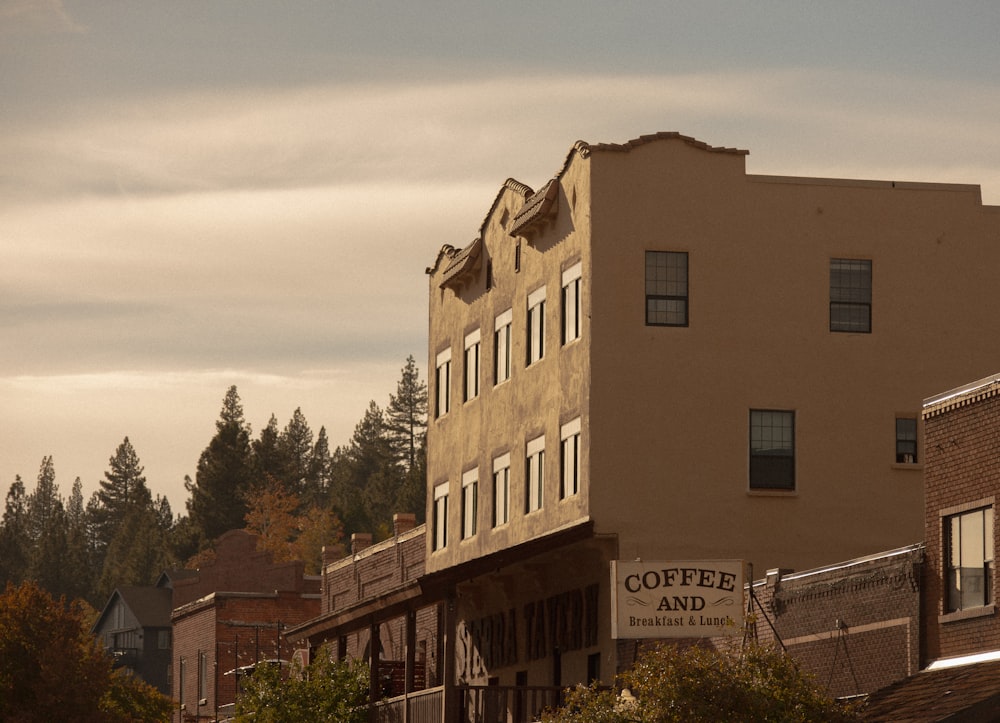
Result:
[
  {"x": 908, "y": 466},
  {"x": 776, "y": 492},
  {"x": 970, "y": 613}
]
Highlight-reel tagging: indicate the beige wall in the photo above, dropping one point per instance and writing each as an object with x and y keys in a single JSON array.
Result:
[{"x": 665, "y": 410}]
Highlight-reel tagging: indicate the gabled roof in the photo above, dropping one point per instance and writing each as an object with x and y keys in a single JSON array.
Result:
[
  {"x": 967, "y": 692},
  {"x": 150, "y": 606}
]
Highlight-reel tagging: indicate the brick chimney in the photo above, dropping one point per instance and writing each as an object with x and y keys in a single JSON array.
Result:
[
  {"x": 403, "y": 522},
  {"x": 359, "y": 541}
]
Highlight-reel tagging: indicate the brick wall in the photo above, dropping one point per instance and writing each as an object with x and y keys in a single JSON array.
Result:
[
  {"x": 962, "y": 471},
  {"x": 855, "y": 627}
]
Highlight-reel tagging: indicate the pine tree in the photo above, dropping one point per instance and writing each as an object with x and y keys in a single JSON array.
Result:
[
  {"x": 295, "y": 447},
  {"x": 80, "y": 557},
  {"x": 122, "y": 488},
  {"x": 406, "y": 416},
  {"x": 266, "y": 456},
  {"x": 224, "y": 474},
  {"x": 317, "y": 492},
  {"x": 14, "y": 536},
  {"x": 47, "y": 531}
]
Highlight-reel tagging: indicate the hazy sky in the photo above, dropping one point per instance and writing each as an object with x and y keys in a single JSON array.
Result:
[{"x": 207, "y": 193}]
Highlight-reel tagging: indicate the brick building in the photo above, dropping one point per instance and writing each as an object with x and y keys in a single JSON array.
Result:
[
  {"x": 378, "y": 599},
  {"x": 960, "y": 632},
  {"x": 231, "y": 616}
]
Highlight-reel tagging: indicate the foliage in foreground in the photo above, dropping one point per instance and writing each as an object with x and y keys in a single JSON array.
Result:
[
  {"x": 51, "y": 668},
  {"x": 695, "y": 684},
  {"x": 326, "y": 690}
]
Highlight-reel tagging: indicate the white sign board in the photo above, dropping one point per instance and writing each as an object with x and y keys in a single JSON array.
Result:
[{"x": 680, "y": 599}]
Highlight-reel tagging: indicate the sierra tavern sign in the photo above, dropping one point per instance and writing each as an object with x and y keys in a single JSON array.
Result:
[{"x": 685, "y": 599}]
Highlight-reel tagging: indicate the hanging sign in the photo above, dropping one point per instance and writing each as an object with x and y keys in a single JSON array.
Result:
[{"x": 682, "y": 599}]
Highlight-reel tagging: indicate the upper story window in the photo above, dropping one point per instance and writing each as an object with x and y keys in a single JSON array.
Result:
[
  {"x": 501, "y": 490},
  {"x": 501, "y": 347},
  {"x": 534, "y": 474},
  {"x": 569, "y": 458},
  {"x": 666, "y": 288},
  {"x": 851, "y": 295},
  {"x": 470, "y": 387},
  {"x": 772, "y": 449},
  {"x": 968, "y": 556},
  {"x": 440, "y": 521},
  {"x": 571, "y": 302},
  {"x": 470, "y": 503},
  {"x": 906, "y": 440},
  {"x": 536, "y": 325},
  {"x": 443, "y": 383}
]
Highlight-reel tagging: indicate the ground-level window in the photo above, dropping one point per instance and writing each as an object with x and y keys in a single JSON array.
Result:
[
  {"x": 569, "y": 458},
  {"x": 851, "y": 295},
  {"x": 772, "y": 449},
  {"x": 440, "y": 521},
  {"x": 968, "y": 539},
  {"x": 571, "y": 303},
  {"x": 534, "y": 474},
  {"x": 471, "y": 386},
  {"x": 501, "y": 490},
  {"x": 906, "y": 440},
  {"x": 443, "y": 383},
  {"x": 470, "y": 502},
  {"x": 666, "y": 288}
]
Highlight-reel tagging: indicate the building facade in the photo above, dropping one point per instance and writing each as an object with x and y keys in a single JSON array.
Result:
[
  {"x": 659, "y": 356},
  {"x": 134, "y": 627},
  {"x": 231, "y": 616}
]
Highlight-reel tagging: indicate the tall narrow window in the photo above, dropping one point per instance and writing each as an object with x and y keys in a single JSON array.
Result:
[
  {"x": 969, "y": 554},
  {"x": 440, "y": 521},
  {"x": 443, "y": 383},
  {"x": 471, "y": 385},
  {"x": 534, "y": 474},
  {"x": 536, "y": 325},
  {"x": 571, "y": 303},
  {"x": 501, "y": 347},
  {"x": 181, "y": 664},
  {"x": 906, "y": 440},
  {"x": 501, "y": 490},
  {"x": 470, "y": 503},
  {"x": 202, "y": 676},
  {"x": 851, "y": 295},
  {"x": 666, "y": 288},
  {"x": 569, "y": 458},
  {"x": 772, "y": 449}
]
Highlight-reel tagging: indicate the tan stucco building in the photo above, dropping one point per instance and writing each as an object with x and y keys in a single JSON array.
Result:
[{"x": 660, "y": 356}]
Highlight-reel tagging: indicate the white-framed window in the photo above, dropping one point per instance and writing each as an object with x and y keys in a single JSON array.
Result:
[
  {"x": 501, "y": 347},
  {"x": 968, "y": 555},
  {"x": 534, "y": 474},
  {"x": 443, "y": 383},
  {"x": 440, "y": 522},
  {"x": 536, "y": 325},
  {"x": 470, "y": 503},
  {"x": 569, "y": 458},
  {"x": 501, "y": 490},
  {"x": 571, "y": 302},
  {"x": 471, "y": 385}
]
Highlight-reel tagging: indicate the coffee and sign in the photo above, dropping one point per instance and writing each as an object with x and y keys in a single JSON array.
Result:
[{"x": 680, "y": 599}]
